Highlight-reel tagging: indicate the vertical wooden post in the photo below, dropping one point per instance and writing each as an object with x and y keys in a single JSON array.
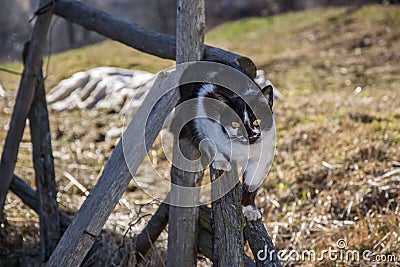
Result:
[
  {"x": 182, "y": 223},
  {"x": 44, "y": 170},
  {"x": 227, "y": 221},
  {"x": 182, "y": 227},
  {"x": 23, "y": 102},
  {"x": 190, "y": 27}
]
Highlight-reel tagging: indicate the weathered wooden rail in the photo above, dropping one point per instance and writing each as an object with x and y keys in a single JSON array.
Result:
[{"x": 137, "y": 37}]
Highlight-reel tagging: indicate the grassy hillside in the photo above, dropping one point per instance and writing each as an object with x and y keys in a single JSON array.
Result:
[
  {"x": 337, "y": 46},
  {"x": 336, "y": 171}
]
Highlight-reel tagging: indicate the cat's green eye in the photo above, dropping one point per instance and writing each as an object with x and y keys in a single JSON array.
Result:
[
  {"x": 257, "y": 122},
  {"x": 235, "y": 124}
]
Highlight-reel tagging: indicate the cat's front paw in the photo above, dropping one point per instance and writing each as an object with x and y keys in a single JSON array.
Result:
[
  {"x": 222, "y": 165},
  {"x": 251, "y": 213}
]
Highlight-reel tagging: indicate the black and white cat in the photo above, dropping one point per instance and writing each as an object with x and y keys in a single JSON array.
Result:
[{"x": 226, "y": 128}]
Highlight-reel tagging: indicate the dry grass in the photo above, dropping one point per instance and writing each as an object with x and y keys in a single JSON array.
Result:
[{"x": 336, "y": 172}]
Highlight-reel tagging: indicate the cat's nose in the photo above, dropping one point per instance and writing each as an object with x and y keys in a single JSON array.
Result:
[{"x": 254, "y": 137}]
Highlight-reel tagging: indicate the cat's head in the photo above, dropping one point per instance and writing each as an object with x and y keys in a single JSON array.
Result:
[{"x": 243, "y": 118}]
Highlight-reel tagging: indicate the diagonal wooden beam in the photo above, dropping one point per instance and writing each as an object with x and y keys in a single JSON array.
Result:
[
  {"x": 44, "y": 171},
  {"x": 30, "y": 198},
  {"x": 116, "y": 176},
  {"x": 261, "y": 244}
]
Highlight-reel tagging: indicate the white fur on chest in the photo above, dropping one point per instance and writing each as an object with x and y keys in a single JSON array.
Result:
[{"x": 253, "y": 152}]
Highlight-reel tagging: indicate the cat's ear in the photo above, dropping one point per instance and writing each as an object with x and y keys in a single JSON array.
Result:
[{"x": 268, "y": 92}]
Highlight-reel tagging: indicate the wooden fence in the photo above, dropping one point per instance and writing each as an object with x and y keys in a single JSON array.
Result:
[{"x": 213, "y": 235}]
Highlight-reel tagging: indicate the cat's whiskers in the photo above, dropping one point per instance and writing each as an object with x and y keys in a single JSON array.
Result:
[{"x": 230, "y": 140}]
